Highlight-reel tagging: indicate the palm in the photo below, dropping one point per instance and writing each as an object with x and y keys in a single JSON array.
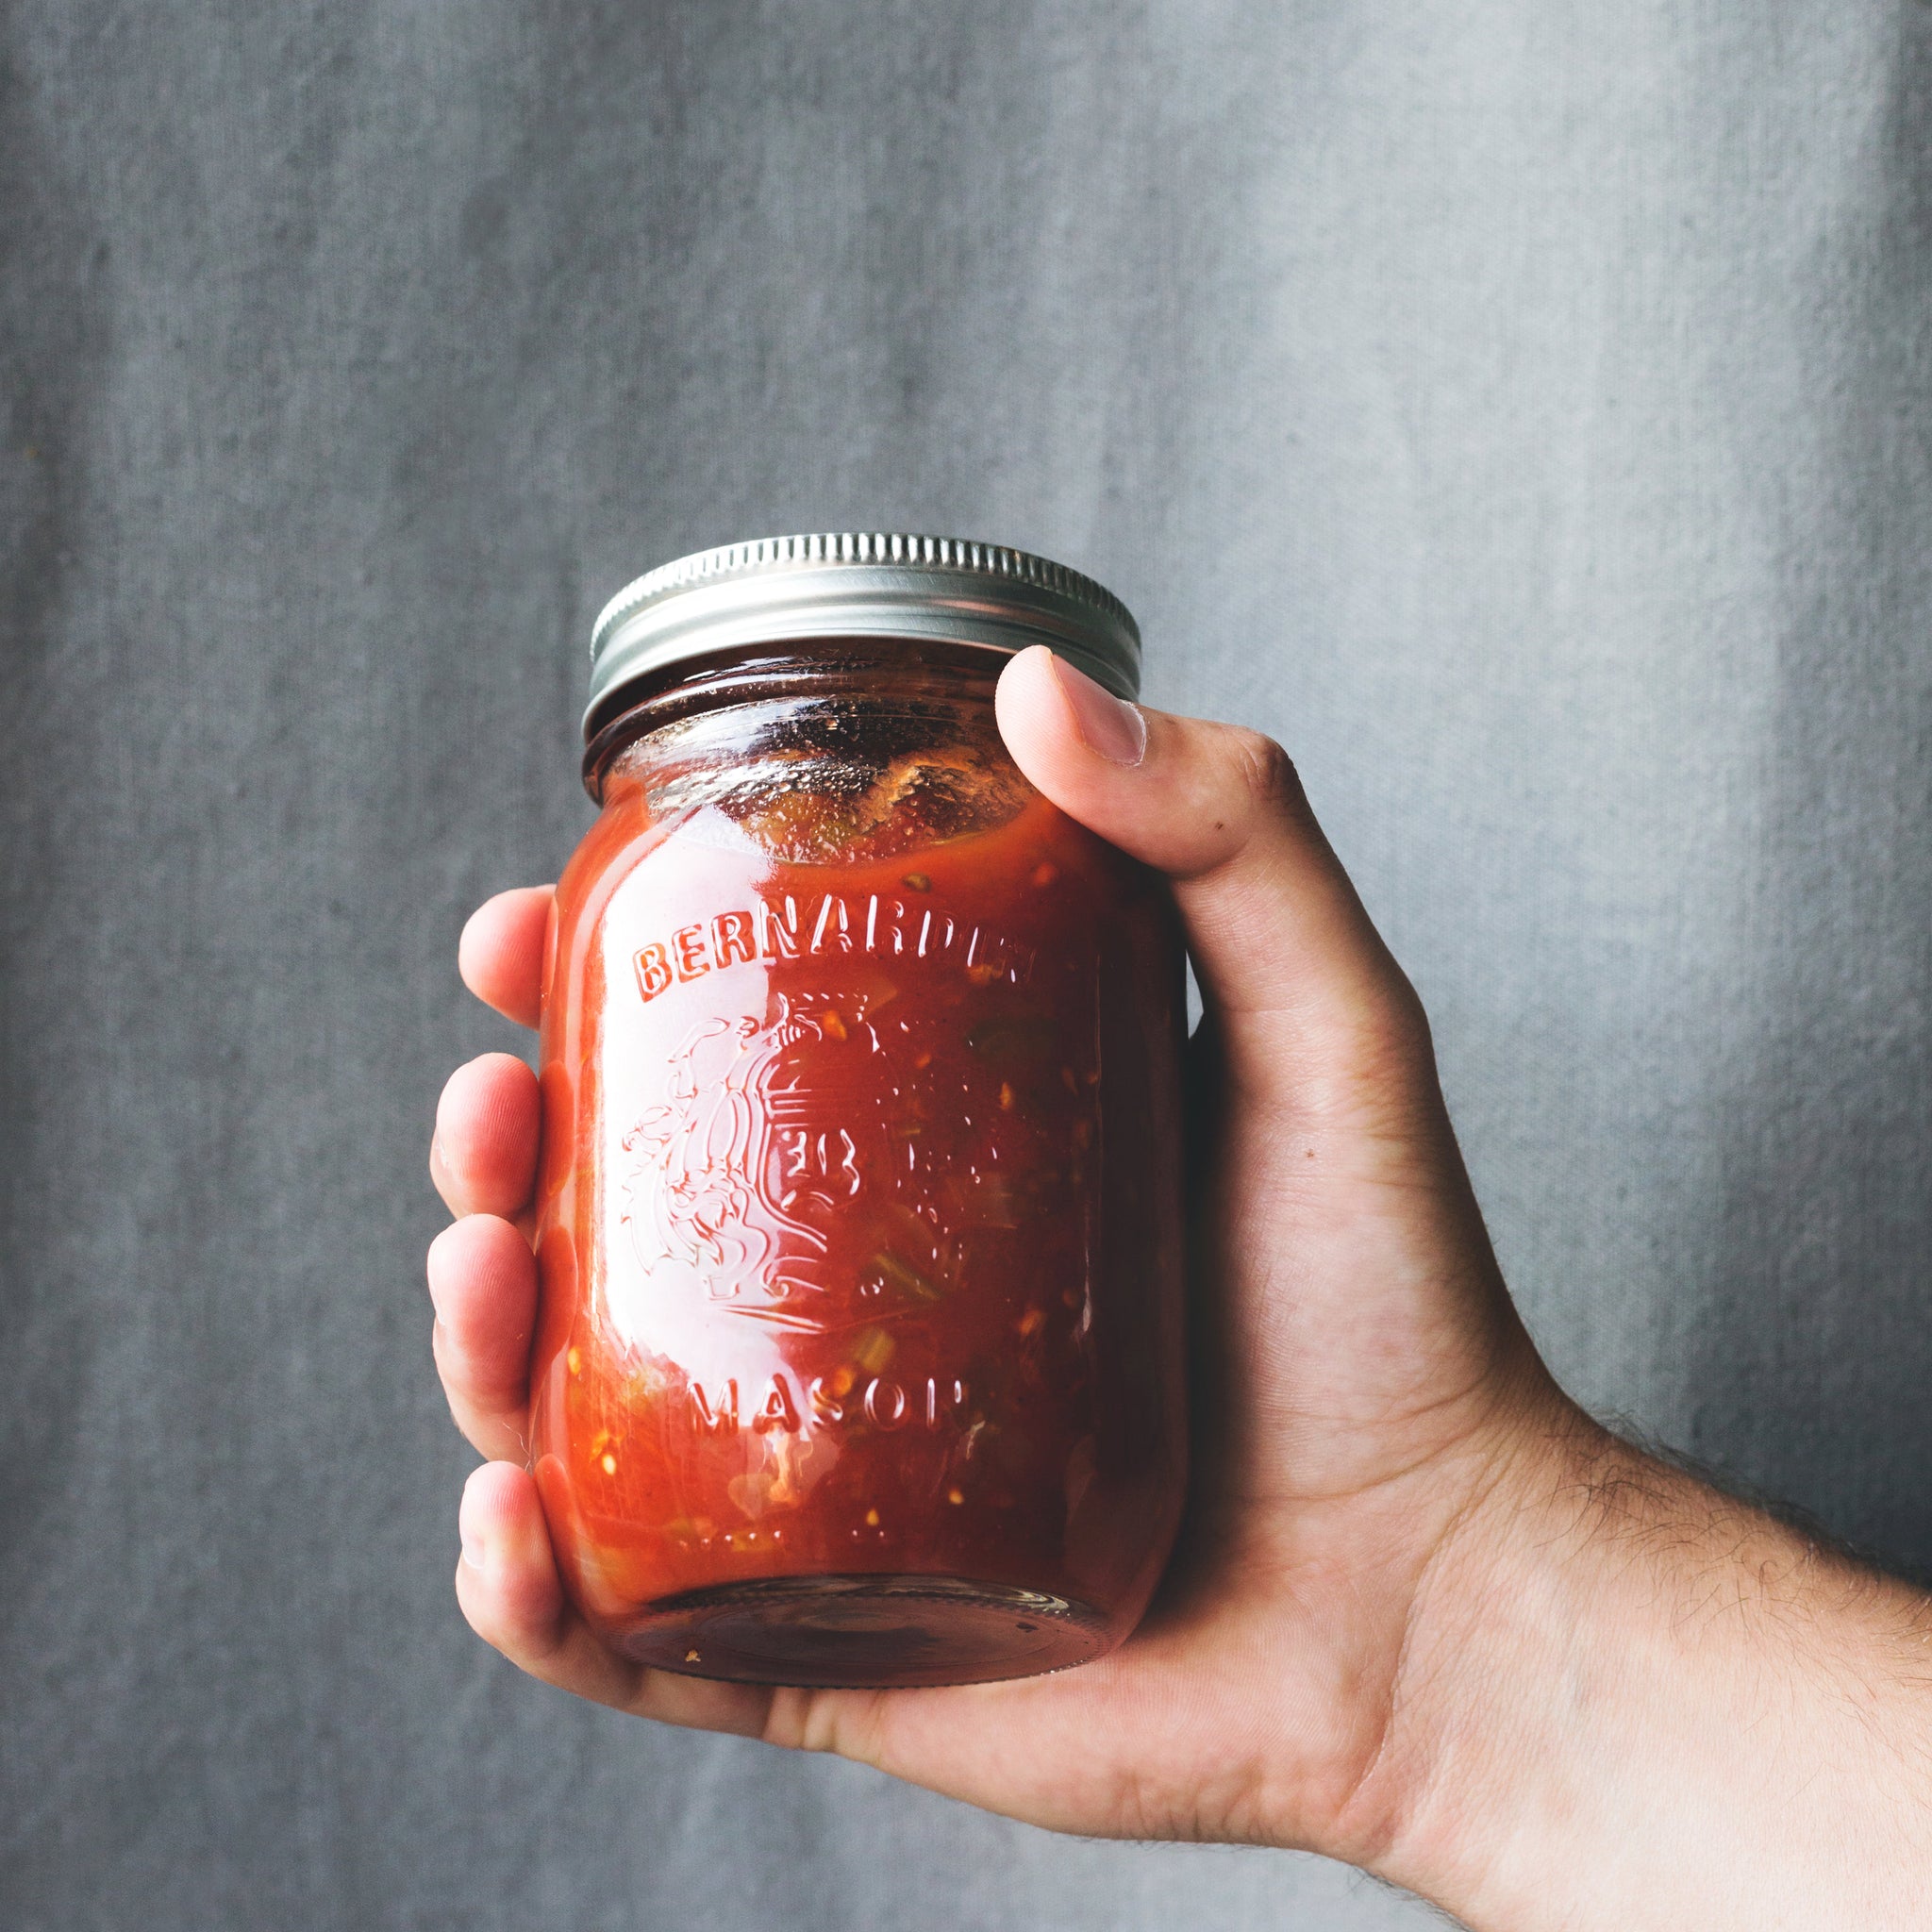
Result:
[
  {"x": 1352, "y": 1341},
  {"x": 1337, "y": 1432}
]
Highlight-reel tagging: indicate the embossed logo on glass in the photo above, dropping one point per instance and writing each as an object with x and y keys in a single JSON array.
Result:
[
  {"x": 845, "y": 1152},
  {"x": 766, "y": 1137}
]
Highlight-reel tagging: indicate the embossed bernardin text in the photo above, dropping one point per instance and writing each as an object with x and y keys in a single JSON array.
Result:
[
  {"x": 785, "y": 926},
  {"x": 934, "y": 1403}
]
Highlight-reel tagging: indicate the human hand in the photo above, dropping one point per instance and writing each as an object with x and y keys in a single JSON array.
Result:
[
  {"x": 1357, "y": 1364},
  {"x": 1400, "y": 1625}
]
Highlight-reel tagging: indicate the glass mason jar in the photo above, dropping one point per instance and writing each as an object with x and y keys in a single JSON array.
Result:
[{"x": 859, "y": 1353}]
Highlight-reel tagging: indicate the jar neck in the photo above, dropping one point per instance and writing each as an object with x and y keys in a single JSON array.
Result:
[{"x": 910, "y": 676}]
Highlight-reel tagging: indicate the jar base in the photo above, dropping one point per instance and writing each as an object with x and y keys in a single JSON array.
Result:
[{"x": 865, "y": 1632}]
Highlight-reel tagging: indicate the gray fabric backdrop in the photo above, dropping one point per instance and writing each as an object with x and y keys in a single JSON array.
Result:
[{"x": 1520, "y": 406}]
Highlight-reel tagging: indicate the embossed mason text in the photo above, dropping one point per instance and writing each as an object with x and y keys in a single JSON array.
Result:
[{"x": 884, "y": 1404}]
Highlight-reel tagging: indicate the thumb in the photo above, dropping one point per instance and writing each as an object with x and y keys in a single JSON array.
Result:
[{"x": 1302, "y": 985}]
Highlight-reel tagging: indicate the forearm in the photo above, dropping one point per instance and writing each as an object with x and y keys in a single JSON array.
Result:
[{"x": 1631, "y": 1701}]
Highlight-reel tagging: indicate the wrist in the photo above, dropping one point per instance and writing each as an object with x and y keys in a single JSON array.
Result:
[{"x": 1631, "y": 1699}]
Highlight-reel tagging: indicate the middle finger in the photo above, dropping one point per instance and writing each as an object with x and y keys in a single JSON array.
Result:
[
  {"x": 483, "y": 1282},
  {"x": 484, "y": 1157}
]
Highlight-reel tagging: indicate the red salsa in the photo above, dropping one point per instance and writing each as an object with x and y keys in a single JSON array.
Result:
[{"x": 859, "y": 1353}]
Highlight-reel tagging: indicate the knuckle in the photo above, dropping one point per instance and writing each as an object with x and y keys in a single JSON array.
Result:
[
  {"x": 1381, "y": 1057},
  {"x": 1266, "y": 771},
  {"x": 1403, "y": 1021},
  {"x": 1388, "y": 1023}
]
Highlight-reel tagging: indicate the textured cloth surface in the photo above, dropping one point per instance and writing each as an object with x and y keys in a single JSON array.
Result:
[{"x": 1522, "y": 410}]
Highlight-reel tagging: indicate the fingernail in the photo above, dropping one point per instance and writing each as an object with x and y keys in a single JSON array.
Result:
[
  {"x": 1109, "y": 725},
  {"x": 475, "y": 1547},
  {"x": 433, "y": 1274}
]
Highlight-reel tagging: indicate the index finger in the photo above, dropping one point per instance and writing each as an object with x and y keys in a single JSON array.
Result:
[{"x": 500, "y": 952}]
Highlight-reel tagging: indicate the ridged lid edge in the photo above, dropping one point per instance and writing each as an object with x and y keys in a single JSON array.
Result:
[
  {"x": 882, "y": 584},
  {"x": 886, "y": 547}
]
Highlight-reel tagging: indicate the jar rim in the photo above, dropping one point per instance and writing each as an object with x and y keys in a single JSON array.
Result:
[{"x": 774, "y": 590}]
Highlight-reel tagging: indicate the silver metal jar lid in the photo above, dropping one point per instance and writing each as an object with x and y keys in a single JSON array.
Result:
[{"x": 778, "y": 589}]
